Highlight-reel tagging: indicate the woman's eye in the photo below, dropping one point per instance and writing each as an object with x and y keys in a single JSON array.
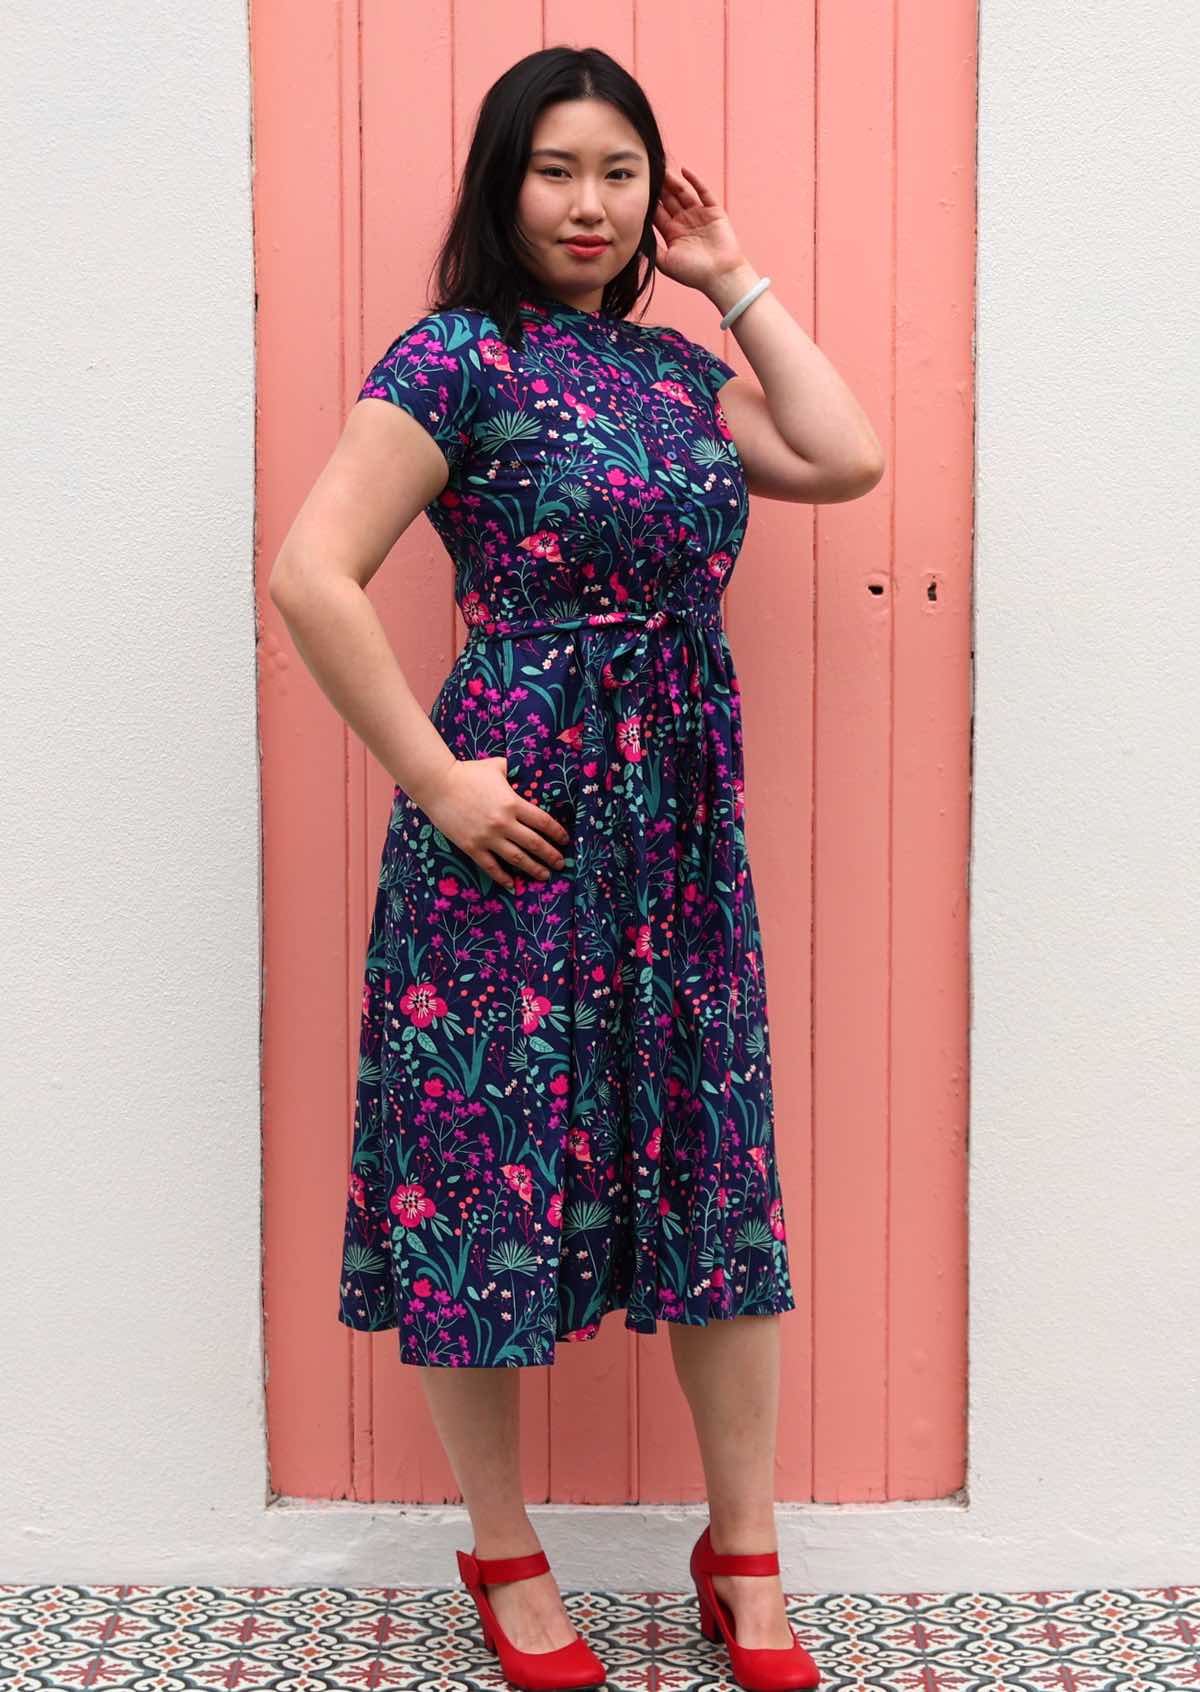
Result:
[{"x": 549, "y": 168}]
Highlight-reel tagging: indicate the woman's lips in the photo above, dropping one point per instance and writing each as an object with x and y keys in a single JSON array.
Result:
[{"x": 589, "y": 249}]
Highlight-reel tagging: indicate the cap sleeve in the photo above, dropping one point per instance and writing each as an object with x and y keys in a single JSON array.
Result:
[
  {"x": 707, "y": 369},
  {"x": 711, "y": 368},
  {"x": 434, "y": 372}
]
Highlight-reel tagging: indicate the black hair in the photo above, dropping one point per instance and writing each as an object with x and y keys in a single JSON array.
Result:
[{"x": 480, "y": 263}]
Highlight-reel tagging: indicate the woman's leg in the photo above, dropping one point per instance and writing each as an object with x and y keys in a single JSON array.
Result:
[
  {"x": 476, "y": 1413},
  {"x": 729, "y": 1374}
]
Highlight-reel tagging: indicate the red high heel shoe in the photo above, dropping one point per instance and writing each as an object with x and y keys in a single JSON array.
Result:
[
  {"x": 766, "y": 1669},
  {"x": 573, "y": 1665}
]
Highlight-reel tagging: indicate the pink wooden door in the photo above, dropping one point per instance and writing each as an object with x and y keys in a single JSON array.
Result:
[{"x": 841, "y": 136}]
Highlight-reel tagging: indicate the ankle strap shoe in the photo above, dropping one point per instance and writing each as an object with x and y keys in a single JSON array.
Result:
[
  {"x": 780, "y": 1669},
  {"x": 568, "y": 1667}
]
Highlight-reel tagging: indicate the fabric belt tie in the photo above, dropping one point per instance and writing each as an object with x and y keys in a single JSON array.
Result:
[{"x": 636, "y": 643}]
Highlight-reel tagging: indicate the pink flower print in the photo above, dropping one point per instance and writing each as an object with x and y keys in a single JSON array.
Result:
[
  {"x": 421, "y": 1003},
  {"x": 722, "y": 1197},
  {"x": 735, "y": 988},
  {"x": 410, "y": 1205},
  {"x": 758, "y": 1156},
  {"x": 495, "y": 352},
  {"x": 476, "y": 686},
  {"x": 474, "y": 610},
  {"x": 654, "y": 1143},
  {"x": 533, "y": 1009},
  {"x": 554, "y": 1210},
  {"x": 358, "y": 1191},
  {"x": 366, "y": 998},
  {"x": 584, "y": 413},
  {"x": 422, "y": 1286},
  {"x": 739, "y": 797},
  {"x": 577, "y": 1143},
  {"x": 674, "y": 390},
  {"x": 717, "y": 1278},
  {"x": 519, "y": 1179},
  {"x": 590, "y": 768},
  {"x": 448, "y": 886},
  {"x": 560, "y": 1083},
  {"x": 434, "y": 1087},
  {"x": 717, "y": 564},
  {"x": 722, "y": 423},
  {"x": 641, "y": 946},
  {"x": 664, "y": 1207},
  {"x": 775, "y": 1216},
  {"x": 598, "y": 972},
  {"x": 572, "y": 735},
  {"x": 620, "y": 591},
  {"x": 583, "y": 1333},
  {"x": 543, "y": 544},
  {"x": 629, "y": 737}
]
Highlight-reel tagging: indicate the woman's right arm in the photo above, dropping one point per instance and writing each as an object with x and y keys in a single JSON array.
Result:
[{"x": 384, "y": 471}]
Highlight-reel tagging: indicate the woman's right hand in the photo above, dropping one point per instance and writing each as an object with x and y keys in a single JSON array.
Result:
[{"x": 474, "y": 805}]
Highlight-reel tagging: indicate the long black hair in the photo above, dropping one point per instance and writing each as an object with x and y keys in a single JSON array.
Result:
[{"x": 481, "y": 260}]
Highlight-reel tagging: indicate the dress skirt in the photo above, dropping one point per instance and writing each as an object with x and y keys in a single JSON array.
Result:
[{"x": 564, "y": 1100}]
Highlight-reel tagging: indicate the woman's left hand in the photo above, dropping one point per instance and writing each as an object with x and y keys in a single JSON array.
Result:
[{"x": 697, "y": 241}]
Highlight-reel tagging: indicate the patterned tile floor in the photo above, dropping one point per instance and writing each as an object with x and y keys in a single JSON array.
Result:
[{"x": 277, "y": 1639}]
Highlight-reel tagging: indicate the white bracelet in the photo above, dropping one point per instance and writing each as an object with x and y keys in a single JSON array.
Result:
[{"x": 735, "y": 311}]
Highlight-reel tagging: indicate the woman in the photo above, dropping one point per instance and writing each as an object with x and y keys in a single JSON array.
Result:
[{"x": 564, "y": 1105}]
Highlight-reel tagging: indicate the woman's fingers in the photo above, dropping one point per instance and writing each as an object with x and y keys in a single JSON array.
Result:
[
  {"x": 701, "y": 192},
  {"x": 542, "y": 821},
  {"x": 536, "y": 846},
  {"x": 491, "y": 863}
]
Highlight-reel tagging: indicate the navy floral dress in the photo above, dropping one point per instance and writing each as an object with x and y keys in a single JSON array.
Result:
[{"x": 564, "y": 1101}]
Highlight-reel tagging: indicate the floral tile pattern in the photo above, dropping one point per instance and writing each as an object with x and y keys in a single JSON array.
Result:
[{"x": 63, "y": 1638}]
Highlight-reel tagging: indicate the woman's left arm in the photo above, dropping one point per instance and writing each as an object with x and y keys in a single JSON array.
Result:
[{"x": 801, "y": 435}]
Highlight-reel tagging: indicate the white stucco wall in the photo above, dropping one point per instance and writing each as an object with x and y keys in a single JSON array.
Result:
[{"x": 131, "y": 1412}]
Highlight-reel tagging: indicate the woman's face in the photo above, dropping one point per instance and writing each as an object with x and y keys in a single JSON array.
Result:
[{"x": 587, "y": 174}]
